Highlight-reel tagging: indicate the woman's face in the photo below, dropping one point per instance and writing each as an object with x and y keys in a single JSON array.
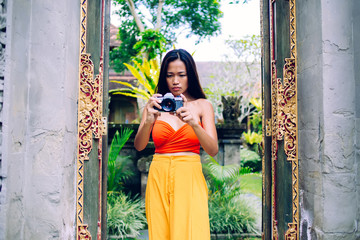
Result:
[{"x": 176, "y": 78}]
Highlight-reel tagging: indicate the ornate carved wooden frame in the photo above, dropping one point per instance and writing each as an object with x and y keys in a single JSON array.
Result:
[
  {"x": 283, "y": 122},
  {"x": 281, "y": 126},
  {"x": 90, "y": 120}
]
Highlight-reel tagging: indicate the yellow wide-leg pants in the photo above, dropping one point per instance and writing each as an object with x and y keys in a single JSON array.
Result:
[{"x": 176, "y": 199}]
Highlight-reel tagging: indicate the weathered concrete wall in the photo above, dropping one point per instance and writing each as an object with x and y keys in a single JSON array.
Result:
[
  {"x": 327, "y": 119},
  {"x": 356, "y": 45},
  {"x": 3, "y": 7},
  {"x": 40, "y": 120}
]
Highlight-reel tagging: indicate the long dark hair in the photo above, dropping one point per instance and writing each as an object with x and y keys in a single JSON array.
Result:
[{"x": 194, "y": 88}]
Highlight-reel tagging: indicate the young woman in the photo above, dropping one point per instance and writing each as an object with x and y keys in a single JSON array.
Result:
[{"x": 176, "y": 192}]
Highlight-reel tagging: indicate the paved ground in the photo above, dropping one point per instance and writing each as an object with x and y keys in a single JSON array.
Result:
[
  {"x": 256, "y": 205},
  {"x": 144, "y": 235}
]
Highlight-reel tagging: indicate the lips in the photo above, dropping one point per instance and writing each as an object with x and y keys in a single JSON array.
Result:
[{"x": 175, "y": 89}]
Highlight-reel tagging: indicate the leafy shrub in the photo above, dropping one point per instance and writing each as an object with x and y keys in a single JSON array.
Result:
[
  {"x": 250, "y": 159},
  {"x": 256, "y": 116},
  {"x": 119, "y": 168},
  {"x": 125, "y": 216},
  {"x": 232, "y": 216},
  {"x": 146, "y": 74},
  {"x": 227, "y": 213},
  {"x": 252, "y": 140}
]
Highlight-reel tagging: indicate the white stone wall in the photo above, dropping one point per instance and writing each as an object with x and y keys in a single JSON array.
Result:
[
  {"x": 2, "y": 71},
  {"x": 40, "y": 120},
  {"x": 356, "y": 43},
  {"x": 328, "y": 134}
]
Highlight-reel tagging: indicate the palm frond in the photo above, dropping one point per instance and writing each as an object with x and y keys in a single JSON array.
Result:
[
  {"x": 144, "y": 80},
  {"x": 117, "y": 144},
  {"x": 222, "y": 173},
  {"x": 135, "y": 72}
]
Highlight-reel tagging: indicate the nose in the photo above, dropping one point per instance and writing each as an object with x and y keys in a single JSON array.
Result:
[{"x": 176, "y": 80}]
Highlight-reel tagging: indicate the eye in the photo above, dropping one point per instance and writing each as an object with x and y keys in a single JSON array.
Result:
[
  {"x": 169, "y": 76},
  {"x": 182, "y": 75}
]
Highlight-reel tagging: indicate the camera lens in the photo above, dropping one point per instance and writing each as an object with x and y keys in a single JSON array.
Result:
[{"x": 168, "y": 105}]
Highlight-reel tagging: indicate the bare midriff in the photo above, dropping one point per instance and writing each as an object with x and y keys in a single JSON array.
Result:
[{"x": 177, "y": 153}]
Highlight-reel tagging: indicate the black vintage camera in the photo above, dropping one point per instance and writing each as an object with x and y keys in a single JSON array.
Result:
[{"x": 170, "y": 103}]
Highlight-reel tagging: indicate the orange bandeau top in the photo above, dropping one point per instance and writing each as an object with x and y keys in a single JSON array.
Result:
[{"x": 167, "y": 140}]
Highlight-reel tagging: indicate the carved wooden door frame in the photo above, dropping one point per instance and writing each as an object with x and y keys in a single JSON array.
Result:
[
  {"x": 91, "y": 165},
  {"x": 280, "y": 213},
  {"x": 280, "y": 141}
]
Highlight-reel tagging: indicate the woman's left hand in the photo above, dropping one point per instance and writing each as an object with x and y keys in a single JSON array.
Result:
[{"x": 184, "y": 113}]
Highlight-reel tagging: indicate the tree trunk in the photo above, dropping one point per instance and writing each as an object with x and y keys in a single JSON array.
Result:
[
  {"x": 158, "y": 18},
  {"x": 135, "y": 15}
]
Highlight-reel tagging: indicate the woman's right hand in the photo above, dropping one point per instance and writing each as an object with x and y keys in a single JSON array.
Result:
[{"x": 151, "y": 113}]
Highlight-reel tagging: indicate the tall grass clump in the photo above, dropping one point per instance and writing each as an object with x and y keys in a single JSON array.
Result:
[
  {"x": 228, "y": 213},
  {"x": 125, "y": 215}
]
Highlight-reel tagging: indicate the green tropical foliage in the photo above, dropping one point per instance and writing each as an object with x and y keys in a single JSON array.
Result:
[
  {"x": 125, "y": 52},
  {"x": 228, "y": 213},
  {"x": 152, "y": 44},
  {"x": 119, "y": 168},
  {"x": 252, "y": 138},
  {"x": 147, "y": 75},
  {"x": 247, "y": 48},
  {"x": 125, "y": 216},
  {"x": 252, "y": 184},
  {"x": 250, "y": 159},
  {"x": 230, "y": 217},
  {"x": 165, "y": 21},
  {"x": 238, "y": 75},
  {"x": 256, "y": 116},
  {"x": 223, "y": 179}
]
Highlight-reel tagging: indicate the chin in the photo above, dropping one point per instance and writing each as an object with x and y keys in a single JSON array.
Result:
[{"x": 176, "y": 93}]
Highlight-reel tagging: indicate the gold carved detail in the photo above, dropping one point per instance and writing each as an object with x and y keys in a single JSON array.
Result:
[
  {"x": 293, "y": 51},
  {"x": 280, "y": 110},
  {"x": 90, "y": 106},
  {"x": 83, "y": 232},
  {"x": 289, "y": 109},
  {"x": 274, "y": 145},
  {"x": 274, "y": 104},
  {"x": 83, "y": 21},
  {"x": 268, "y": 127},
  {"x": 284, "y": 120},
  {"x": 275, "y": 235},
  {"x": 291, "y": 233},
  {"x": 90, "y": 121},
  {"x": 295, "y": 191},
  {"x": 284, "y": 104},
  {"x": 286, "y": 108}
]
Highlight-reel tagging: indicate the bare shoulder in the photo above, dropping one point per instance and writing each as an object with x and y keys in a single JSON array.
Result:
[
  {"x": 204, "y": 104},
  {"x": 203, "y": 107}
]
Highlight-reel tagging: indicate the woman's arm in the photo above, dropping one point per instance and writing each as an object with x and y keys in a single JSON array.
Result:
[
  {"x": 206, "y": 133},
  {"x": 143, "y": 134},
  {"x": 148, "y": 119}
]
